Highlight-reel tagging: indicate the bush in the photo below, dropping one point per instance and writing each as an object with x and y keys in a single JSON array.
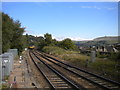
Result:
[
  {"x": 68, "y": 44},
  {"x": 115, "y": 56},
  {"x": 54, "y": 50}
]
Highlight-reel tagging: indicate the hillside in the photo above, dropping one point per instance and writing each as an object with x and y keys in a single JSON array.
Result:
[
  {"x": 99, "y": 41},
  {"x": 106, "y": 38}
]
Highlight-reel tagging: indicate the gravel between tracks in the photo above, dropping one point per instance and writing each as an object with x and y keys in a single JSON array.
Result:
[
  {"x": 79, "y": 80},
  {"x": 39, "y": 78}
]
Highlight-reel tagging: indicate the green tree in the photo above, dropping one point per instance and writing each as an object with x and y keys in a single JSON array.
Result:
[
  {"x": 7, "y": 32},
  {"x": 27, "y": 40},
  {"x": 48, "y": 38},
  {"x": 67, "y": 44},
  {"x": 17, "y": 36},
  {"x": 55, "y": 42},
  {"x": 11, "y": 34},
  {"x": 41, "y": 42},
  {"x": 24, "y": 41}
]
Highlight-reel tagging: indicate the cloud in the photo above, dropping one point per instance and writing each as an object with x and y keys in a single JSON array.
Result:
[
  {"x": 70, "y": 7},
  {"x": 60, "y": 38},
  {"x": 72, "y": 38},
  {"x": 39, "y": 35},
  {"x": 95, "y": 7},
  {"x": 85, "y": 7},
  {"x": 78, "y": 38},
  {"x": 111, "y": 8}
]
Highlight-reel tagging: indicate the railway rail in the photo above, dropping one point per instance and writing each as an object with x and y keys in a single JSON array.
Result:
[
  {"x": 92, "y": 78},
  {"x": 54, "y": 78}
]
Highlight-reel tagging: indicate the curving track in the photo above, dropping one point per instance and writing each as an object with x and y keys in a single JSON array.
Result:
[
  {"x": 99, "y": 81},
  {"x": 54, "y": 77}
]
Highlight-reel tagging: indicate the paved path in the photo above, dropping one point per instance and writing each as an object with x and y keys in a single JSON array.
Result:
[{"x": 23, "y": 78}]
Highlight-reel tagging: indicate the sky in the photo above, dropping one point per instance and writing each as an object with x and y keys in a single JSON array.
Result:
[{"x": 75, "y": 20}]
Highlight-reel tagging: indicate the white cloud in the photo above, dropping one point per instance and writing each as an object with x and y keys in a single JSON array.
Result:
[
  {"x": 112, "y": 8},
  {"x": 85, "y": 6},
  {"x": 95, "y": 7},
  {"x": 78, "y": 38},
  {"x": 39, "y": 35},
  {"x": 70, "y": 7},
  {"x": 72, "y": 38},
  {"x": 60, "y": 38}
]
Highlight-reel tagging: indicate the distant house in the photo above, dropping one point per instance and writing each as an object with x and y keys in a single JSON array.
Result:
[
  {"x": 109, "y": 48},
  {"x": 100, "y": 49},
  {"x": 115, "y": 50},
  {"x": 117, "y": 46}
]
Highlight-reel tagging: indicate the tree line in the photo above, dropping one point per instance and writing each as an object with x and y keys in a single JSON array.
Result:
[
  {"x": 12, "y": 37},
  {"x": 12, "y": 34},
  {"x": 47, "y": 40}
]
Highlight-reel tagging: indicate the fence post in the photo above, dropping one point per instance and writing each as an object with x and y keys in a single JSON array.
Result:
[{"x": 93, "y": 55}]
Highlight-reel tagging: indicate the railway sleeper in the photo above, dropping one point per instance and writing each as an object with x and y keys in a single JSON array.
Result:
[
  {"x": 92, "y": 77},
  {"x": 98, "y": 81},
  {"x": 70, "y": 68},
  {"x": 104, "y": 83},
  {"x": 112, "y": 87},
  {"x": 59, "y": 82},
  {"x": 54, "y": 78},
  {"x": 64, "y": 84},
  {"x": 51, "y": 75},
  {"x": 61, "y": 87}
]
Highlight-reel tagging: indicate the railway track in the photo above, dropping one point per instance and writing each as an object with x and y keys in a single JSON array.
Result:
[
  {"x": 92, "y": 78},
  {"x": 54, "y": 78}
]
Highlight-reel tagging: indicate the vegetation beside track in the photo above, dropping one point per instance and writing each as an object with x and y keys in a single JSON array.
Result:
[
  {"x": 12, "y": 34},
  {"x": 105, "y": 67}
]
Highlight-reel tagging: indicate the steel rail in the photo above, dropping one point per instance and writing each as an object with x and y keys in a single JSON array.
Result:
[
  {"x": 78, "y": 74},
  {"x": 86, "y": 71},
  {"x": 76, "y": 87},
  {"x": 52, "y": 86},
  {"x": 107, "y": 80}
]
